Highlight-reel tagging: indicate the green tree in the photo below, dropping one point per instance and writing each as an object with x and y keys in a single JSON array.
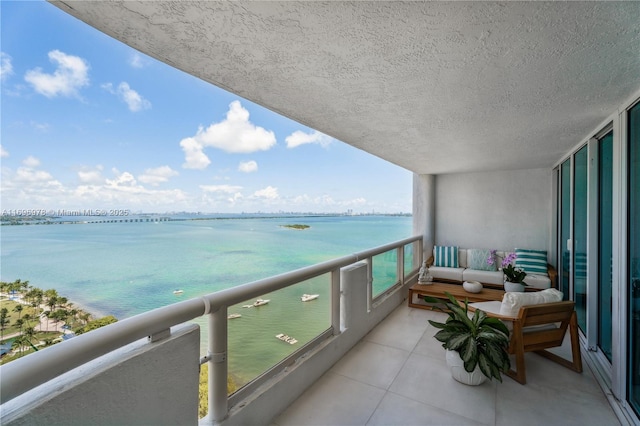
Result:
[
  {"x": 92, "y": 325},
  {"x": 4, "y": 321},
  {"x": 19, "y": 322},
  {"x": 18, "y": 308}
]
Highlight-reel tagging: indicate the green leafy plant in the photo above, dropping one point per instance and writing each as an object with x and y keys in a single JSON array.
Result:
[{"x": 481, "y": 340}]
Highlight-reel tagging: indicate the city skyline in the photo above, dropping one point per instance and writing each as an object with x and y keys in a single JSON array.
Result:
[{"x": 90, "y": 123}]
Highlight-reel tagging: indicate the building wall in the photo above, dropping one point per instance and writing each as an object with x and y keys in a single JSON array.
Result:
[{"x": 497, "y": 210}]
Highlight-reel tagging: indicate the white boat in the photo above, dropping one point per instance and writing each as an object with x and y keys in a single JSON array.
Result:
[
  {"x": 232, "y": 316},
  {"x": 258, "y": 302},
  {"x": 309, "y": 297},
  {"x": 290, "y": 340},
  {"x": 178, "y": 291}
]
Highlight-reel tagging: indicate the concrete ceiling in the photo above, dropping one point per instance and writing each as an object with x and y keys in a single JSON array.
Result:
[{"x": 434, "y": 87}]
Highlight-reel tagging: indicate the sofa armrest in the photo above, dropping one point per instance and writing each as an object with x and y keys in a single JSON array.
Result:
[{"x": 553, "y": 275}]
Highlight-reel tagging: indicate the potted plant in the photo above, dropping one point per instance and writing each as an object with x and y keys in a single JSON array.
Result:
[
  {"x": 513, "y": 277},
  {"x": 477, "y": 347}
]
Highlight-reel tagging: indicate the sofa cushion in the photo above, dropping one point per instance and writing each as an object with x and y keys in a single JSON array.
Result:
[
  {"x": 439, "y": 272},
  {"x": 513, "y": 301},
  {"x": 537, "y": 281},
  {"x": 532, "y": 261},
  {"x": 445, "y": 256},
  {"x": 486, "y": 277},
  {"x": 477, "y": 259}
]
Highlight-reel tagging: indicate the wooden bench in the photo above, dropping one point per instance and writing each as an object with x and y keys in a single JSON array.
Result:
[{"x": 438, "y": 290}]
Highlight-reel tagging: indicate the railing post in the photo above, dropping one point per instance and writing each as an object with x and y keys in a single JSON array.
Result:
[
  {"x": 335, "y": 301},
  {"x": 218, "y": 365},
  {"x": 369, "y": 283},
  {"x": 400, "y": 265}
]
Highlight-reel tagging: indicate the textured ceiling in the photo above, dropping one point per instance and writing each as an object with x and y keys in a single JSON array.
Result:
[{"x": 434, "y": 87}]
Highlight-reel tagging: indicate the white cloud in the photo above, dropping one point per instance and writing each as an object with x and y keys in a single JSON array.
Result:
[
  {"x": 71, "y": 74},
  {"x": 226, "y": 189},
  {"x": 135, "y": 102},
  {"x": 299, "y": 137},
  {"x": 194, "y": 157},
  {"x": 6, "y": 67},
  {"x": 248, "y": 166},
  {"x": 234, "y": 134},
  {"x": 31, "y": 161},
  {"x": 41, "y": 127},
  {"x": 3, "y": 152},
  {"x": 122, "y": 180},
  {"x": 93, "y": 176},
  {"x": 269, "y": 193},
  {"x": 136, "y": 60},
  {"x": 157, "y": 175}
]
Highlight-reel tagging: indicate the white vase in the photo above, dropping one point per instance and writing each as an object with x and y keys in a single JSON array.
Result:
[
  {"x": 472, "y": 286},
  {"x": 456, "y": 365},
  {"x": 513, "y": 287}
]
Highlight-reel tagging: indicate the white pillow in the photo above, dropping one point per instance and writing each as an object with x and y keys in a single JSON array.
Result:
[{"x": 513, "y": 301}]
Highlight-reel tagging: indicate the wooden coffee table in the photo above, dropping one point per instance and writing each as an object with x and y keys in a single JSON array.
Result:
[{"x": 438, "y": 290}]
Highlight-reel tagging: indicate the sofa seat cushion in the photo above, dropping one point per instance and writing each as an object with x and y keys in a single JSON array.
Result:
[
  {"x": 454, "y": 274},
  {"x": 538, "y": 281},
  {"x": 486, "y": 277}
]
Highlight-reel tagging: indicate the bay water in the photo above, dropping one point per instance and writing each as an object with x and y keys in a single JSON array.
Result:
[{"x": 124, "y": 269}]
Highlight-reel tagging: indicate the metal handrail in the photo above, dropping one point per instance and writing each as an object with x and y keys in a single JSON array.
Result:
[{"x": 25, "y": 373}]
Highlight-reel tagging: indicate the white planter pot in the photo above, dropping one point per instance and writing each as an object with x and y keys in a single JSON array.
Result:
[
  {"x": 456, "y": 365},
  {"x": 515, "y": 287}
]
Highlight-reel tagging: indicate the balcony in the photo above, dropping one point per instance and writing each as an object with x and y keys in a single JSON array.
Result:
[
  {"x": 378, "y": 363},
  {"x": 396, "y": 375}
]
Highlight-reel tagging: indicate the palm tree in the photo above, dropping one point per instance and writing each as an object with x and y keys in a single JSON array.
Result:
[
  {"x": 46, "y": 314},
  {"x": 29, "y": 333},
  {"x": 52, "y": 302},
  {"x": 20, "y": 322},
  {"x": 26, "y": 318},
  {"x": 4, "y": 321},
  {"x": 18, "y": 343},
  {"x": 18, "y": 308}
]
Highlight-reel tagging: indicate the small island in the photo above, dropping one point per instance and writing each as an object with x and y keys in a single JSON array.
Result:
[{"x": 296, "y": 226}]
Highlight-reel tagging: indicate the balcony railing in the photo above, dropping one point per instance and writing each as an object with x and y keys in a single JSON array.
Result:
[{"x": 40, "y": 367}]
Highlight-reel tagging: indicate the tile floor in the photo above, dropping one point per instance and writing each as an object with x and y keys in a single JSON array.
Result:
[{"x": 397, "y": 376}]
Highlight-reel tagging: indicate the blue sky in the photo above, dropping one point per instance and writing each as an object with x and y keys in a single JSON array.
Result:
[{"x": 90, "y": 123}]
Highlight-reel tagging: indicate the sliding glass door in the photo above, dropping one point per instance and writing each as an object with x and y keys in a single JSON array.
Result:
[
  {"x": 605, "y": 242},
  {"x": 580, "y": 185},
  {"x": 564, "y": 248},
  {"x": 633, "y": 261}
]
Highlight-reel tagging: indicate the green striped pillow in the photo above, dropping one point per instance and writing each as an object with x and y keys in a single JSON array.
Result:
[
  {"x": 532, "y": 261},
  {"x": 446, "y": 256}
]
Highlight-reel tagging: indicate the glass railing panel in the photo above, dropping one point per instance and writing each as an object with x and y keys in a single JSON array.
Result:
[
  {"x": 385, "y": 272},
  {"x": 411, "y": 263},
  {"x": 265, "y": 334}
]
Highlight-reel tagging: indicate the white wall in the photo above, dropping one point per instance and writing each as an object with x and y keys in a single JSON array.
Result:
[
  {"x": 497, "y": 210},
  {"x": 142, "y": 383}
]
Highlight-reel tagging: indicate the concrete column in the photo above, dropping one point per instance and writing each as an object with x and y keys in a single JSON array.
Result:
[{"x": 424, "y": 210}]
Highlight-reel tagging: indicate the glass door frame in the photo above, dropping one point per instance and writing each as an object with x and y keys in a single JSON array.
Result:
[{"x": 593, "y": 248}]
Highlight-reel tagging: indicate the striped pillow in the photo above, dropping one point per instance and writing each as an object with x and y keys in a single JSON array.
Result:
[
  {"x": 532, "y": 261},
  {"x": 445, "y": 256}
]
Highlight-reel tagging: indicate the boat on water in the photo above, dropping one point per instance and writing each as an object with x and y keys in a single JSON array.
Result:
[
  {"x": 288, "y": 339},
  {"x": 309, "y": 297},
  {"x": 178, "y": 291},
  {"x": 232, "y": 316},
  {"x": 258, "y": 302}
]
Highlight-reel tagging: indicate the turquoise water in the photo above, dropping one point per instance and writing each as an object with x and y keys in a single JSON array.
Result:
[{"x": 124, "y": 269}]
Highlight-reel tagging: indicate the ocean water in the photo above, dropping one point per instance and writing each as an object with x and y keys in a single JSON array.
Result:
[{"x": 124, "y": 269}]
